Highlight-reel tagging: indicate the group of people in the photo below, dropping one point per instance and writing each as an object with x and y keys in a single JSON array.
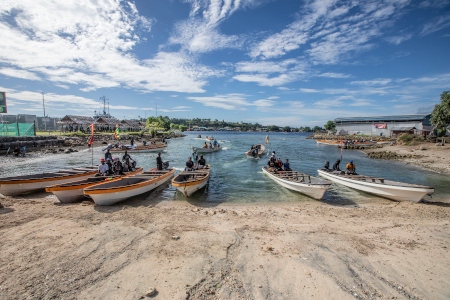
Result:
[
  {"x": 214, "y": 145},
  {"x": 276, "y": 164},
  {"x": 350, "y": 167},
  {"x": 109, "y": 166},
  {"x": 200, "y": 163},
  {"x": 254, "y": 150}
]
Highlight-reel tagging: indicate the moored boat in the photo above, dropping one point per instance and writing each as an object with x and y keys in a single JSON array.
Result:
[
  {"x": 73, "y": 191},
  {"x": 303, "y": 183},
  {"x": 108, "y": 193},
  {"x": 188, "y": 182},
  {"x": 209, "y": 138},
  {"x": 260, "y": 150},
  {"x": 11, "y": 186},
  {"x": 394, "y": 190}
]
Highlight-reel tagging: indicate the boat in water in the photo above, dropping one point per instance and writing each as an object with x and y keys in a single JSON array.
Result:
[
  {"x": 73, "y": 191},
  {"x": 139, "y": 149},
  {"x": 208, "y": 150},
  {"x": 394, "y": 190},
  {"x": 256, "y": 151},
  {"x": 16, "y": 185},
  {"x": 188, "y": 182},
  {"x": 209, "y": 138},
  {"x": 108, "y": 193},
  {"x": 303, "y": 183}
]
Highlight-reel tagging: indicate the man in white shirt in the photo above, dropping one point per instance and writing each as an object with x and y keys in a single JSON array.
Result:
[{"x": 103, "y": 168}]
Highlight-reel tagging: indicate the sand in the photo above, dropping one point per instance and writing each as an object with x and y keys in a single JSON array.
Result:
[{"x": 306, "y": 250}]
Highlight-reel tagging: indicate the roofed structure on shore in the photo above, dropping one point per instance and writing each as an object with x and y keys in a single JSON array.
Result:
[
  {"x": 384, "y": 125},
  {"x": 132, "y": 125}
]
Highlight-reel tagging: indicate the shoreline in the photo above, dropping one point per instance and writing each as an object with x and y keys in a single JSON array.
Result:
[{"x": 192, "y": 250}]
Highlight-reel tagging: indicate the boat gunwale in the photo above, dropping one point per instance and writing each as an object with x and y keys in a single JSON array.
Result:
[
  {"x": 44, "y": 179},
  {"x": 379, "y": 184},
  {"x": 325, "y": 184},
  {"x": 95, "y": 190},
  {"x": 191, "y": 183}
]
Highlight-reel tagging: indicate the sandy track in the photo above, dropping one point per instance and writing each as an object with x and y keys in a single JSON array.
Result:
[{"x": 306, "y": 250}]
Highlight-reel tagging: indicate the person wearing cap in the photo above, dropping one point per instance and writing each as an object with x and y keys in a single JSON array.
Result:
[
  {"x": 103, "y": 168},
  {"x": 351, "y": 168}
]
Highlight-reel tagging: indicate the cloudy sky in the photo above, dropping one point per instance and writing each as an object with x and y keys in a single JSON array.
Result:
[{"x": 285, "y": 62}]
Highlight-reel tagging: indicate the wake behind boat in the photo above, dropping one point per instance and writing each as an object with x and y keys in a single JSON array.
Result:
[
  {"x": 73, "y": 191},
  {"x": 109, "y": 193},
  {"x": 303, "y": 183},
  {"x": 11, "y": 186},
  {"x": 188, "y": 182},
  {"x": 398, "y": 191}
]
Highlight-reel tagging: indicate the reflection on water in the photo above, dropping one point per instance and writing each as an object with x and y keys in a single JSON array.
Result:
[{"x": 238, "y": 179}]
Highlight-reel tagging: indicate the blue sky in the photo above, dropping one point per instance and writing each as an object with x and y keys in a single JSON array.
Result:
[{"x": 296, "y": 63}]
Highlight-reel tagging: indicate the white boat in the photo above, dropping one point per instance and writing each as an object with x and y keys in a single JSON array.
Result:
[
  {"x": 303, "y": 183},
  {"x": 260, "y": 147},
  {"x": 139, "y": 149},
  {"x": 73, "y": 191},
  {"x": 209, "y": 138},
  {"x": 207, "y": 150},
  {"x": 188, "y": 182},
  {"x": 11, "y": 186},
  {"x": 398, "y": 191},
  {"x": 109, "y": 193}
]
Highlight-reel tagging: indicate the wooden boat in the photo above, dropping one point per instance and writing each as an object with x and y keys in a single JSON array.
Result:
[
  {"x": 310, "y": 186},
  {"x": 188, "y": 182},
  {"x": 73, "y": 191},
  {"x": 11, "y": 186},
  {"x": 261, "y": 148},
  {"x": 208, "y": 150},
  {"x": 398, "y": 191},
  {"x": 329, "y": 142},
  {"x": 139, "y": 149},
  {"x": 108, "y": 193}
]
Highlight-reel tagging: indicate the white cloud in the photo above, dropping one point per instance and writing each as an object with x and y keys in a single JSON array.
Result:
[
  {"x": 381, "y": 81},
  {"x": 334, "y": 75},
  {"x": 23, "y": 74},
  {"x": 304, "y": 90},
  {"x": 397, "y": 40}
]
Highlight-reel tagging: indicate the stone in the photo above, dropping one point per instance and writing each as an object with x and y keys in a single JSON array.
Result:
[
  {"x": 151, "y": 292},
  {"x": 175, "y": 237}
]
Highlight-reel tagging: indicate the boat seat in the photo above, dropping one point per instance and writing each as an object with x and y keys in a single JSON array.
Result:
[{"x": 380, "y": 179}]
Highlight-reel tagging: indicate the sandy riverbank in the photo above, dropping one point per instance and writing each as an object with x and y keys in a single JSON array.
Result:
[
  {"x": 426, "y": 155},
  {"x": 306, "y": 250}
]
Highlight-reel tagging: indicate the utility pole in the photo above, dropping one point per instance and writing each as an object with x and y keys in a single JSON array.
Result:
[{"x": 43, "y": 102}]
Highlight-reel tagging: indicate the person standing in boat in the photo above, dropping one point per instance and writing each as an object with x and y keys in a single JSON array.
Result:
[
  {"x": 195, "y": 155},
  {"x": 108, "y": 155},
  {"x": 215, "y": 144},
  {"x": 351, "y": 168},
  {"x": 159, "y": 163}
]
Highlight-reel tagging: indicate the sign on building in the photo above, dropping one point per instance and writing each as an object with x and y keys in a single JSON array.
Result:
[
  {"x": 380, "y": 125},
  {"x": 3, "y": 108}
]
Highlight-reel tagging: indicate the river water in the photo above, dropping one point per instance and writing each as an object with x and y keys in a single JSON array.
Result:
[{"x": 238, "y": 179}]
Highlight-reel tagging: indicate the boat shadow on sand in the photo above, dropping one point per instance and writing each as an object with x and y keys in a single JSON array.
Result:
[{"x": 436, "y": 203}]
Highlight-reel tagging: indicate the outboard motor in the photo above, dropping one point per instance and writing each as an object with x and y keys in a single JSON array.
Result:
[{"x": 165, "y": 165}]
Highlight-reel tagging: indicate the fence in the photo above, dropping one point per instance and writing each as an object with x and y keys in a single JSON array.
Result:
[{"x": 17, "y": 129}]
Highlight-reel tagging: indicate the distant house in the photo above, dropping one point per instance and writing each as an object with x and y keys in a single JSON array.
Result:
[
  {"x": 75, "y": 123},
  {"x": 385, "y": 125}
]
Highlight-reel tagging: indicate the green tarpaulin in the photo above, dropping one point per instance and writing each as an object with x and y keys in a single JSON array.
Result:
[{"x": 17, "y": 129}]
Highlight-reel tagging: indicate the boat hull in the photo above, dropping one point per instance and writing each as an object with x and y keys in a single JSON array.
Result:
[
  {"x": 261, "y": 150},
  {"x": 315, "y": 191},
  {"x": 393, "y": 192},
  {"x": 17, "y": 187},
  {"x": 189, "y": 188},
  {"x": 109, "y": 196},
  {"x": 73, "y": 191},
  {"x": 208, "y": 150}
]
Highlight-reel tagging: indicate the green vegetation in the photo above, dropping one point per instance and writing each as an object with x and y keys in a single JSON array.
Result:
[
  {"x": 440, "y": 117},
  {"x": 410, "y": 139},
  {"x": 330, "y": 126}
]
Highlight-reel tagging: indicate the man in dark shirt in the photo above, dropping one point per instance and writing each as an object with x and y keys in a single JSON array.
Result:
[
  {"x": 189, "y": 164},
  {"x": 159, "y": 162},
  {"x": 201, "y": 162}
]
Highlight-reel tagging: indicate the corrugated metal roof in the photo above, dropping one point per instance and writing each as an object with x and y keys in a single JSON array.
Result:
[{"x": 403, "y": 118}]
